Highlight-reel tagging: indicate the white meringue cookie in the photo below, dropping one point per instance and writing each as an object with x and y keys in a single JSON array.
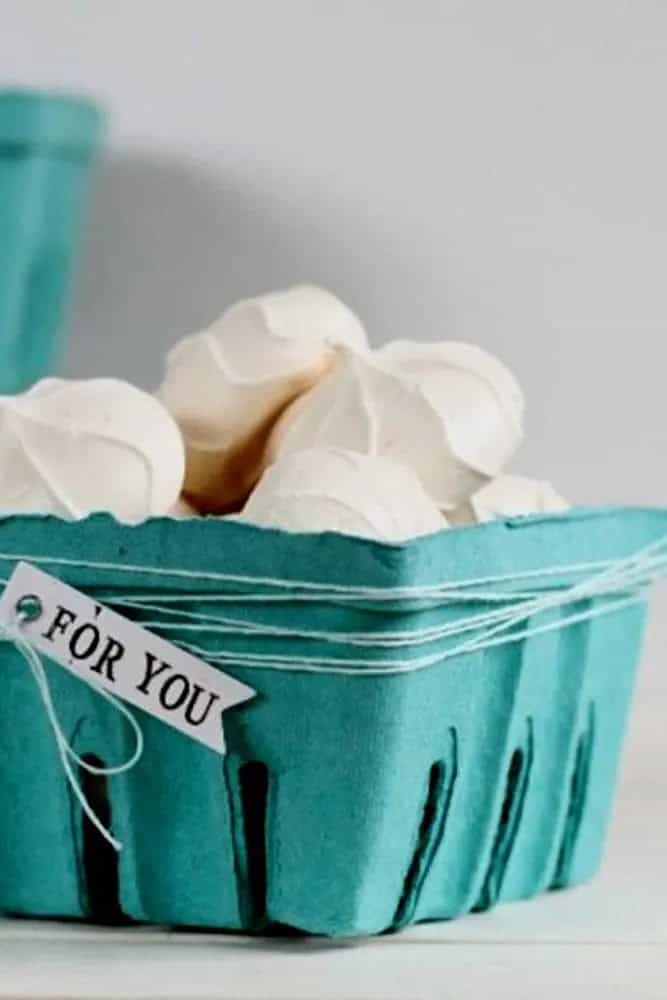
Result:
[
  {"x": 331, "y": 489},
  {"x": 227, "y": 385},
  {"x": 74, "y": 447},
  {"x": 449, "y": 411},
  {"x": 509, "y": 496},
  {"x": 454, "y": 377}
]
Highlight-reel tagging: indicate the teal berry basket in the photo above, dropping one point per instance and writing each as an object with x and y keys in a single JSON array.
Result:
[
  {"x": 347, "y": 804},
  {"x": 47, "y": 146}
]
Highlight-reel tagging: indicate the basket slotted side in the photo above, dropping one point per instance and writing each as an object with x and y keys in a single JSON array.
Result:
[{"x": 345, "y": 804}]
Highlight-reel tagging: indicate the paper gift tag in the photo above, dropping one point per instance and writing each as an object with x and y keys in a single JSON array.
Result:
[{"x": 109, "y": 651}]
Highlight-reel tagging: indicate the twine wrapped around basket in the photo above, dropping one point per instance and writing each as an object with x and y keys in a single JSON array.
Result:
[{"x": 372, "y": 782}]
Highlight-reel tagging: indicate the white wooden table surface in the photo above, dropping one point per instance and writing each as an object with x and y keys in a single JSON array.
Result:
[{"x": 604, "y": 940}]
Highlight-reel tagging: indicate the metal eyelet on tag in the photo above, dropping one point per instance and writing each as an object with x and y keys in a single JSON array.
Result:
[{"x": 29, "y": 608}]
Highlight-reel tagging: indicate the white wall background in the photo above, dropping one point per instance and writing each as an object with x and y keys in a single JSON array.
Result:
[{"x": 465, "y": 168}]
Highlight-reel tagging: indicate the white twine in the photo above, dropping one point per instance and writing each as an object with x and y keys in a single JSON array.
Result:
[
  {"x": 297, "y": 590},
  {"x": 12, "y": 633},
  {"x": 338, "y": 665},
  {"x": 628, "y": 577}
]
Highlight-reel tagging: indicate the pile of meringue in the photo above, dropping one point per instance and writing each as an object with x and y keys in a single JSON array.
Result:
[{"x": 280, "y": 414}]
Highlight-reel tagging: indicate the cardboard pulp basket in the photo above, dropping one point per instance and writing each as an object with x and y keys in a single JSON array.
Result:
[
  {"x": 346, "y": 804},
  {"x": 47, "y": 145}
]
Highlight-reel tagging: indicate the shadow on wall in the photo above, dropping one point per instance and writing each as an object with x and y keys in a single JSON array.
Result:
[{"x": 169, "y": 246}]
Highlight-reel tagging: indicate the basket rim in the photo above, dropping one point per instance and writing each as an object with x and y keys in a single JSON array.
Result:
[{"x": 214, "y": 546}]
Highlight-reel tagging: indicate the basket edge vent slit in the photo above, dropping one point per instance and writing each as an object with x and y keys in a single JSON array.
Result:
[{"x": 431, "y": 831}]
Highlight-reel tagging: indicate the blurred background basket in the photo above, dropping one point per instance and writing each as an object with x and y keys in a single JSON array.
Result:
[
  {"x": 47, "y": 146},
  {"x": 346, "y": 804}
]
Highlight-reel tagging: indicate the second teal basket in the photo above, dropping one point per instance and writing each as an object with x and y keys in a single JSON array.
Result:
[
  {"x": 347, "y": 804},
  {"x": 47, "y": 145}
]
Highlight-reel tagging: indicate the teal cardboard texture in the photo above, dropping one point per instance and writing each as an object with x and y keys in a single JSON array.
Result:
[
  {"x": 346, "y": 804},
  {"x": 47, "y": 144}
]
